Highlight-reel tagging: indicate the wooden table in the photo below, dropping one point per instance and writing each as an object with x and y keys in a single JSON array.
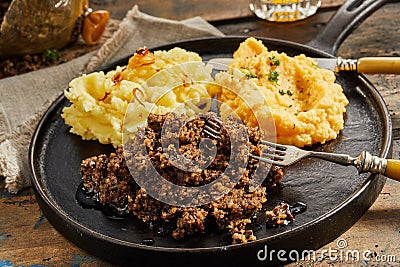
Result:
[{"x": 27, "y": 238}]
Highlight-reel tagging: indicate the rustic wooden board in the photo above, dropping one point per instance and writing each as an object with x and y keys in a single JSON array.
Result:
[{"x": 27, "y": 238}]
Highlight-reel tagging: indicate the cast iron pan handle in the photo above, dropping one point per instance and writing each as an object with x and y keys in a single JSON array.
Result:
[{"x": 348, "y": 17}]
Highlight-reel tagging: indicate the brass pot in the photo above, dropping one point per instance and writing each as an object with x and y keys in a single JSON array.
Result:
[{"x": 32, "y": 26}]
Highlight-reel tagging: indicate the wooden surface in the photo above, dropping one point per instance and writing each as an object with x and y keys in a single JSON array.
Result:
[
  {"x": 213, "y": 10},
  {"x": 28, "y": 239}
]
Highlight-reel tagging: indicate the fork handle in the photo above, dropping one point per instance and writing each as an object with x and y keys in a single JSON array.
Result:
[
  {"x": 365, "y": 162},
  {"x": 390, "y": 168},
  {"x": 393, "y": 169}
]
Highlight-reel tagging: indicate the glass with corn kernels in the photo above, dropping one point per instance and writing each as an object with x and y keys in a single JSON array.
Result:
[{"x": 284, "y": 10}]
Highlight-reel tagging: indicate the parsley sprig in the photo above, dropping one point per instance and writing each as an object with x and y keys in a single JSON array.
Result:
[
  {"x": 274, "y": 61},
  {"x": 273, "y": 76},
  {"x": 251, "y": 75}
]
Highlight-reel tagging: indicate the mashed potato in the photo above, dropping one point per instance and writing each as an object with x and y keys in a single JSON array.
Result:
[
  {"x": 305, "y": 102},
  {"x": 159, "y": 82}
]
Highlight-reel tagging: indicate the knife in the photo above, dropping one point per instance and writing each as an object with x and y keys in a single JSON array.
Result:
[{"x": 365, "y": 65}]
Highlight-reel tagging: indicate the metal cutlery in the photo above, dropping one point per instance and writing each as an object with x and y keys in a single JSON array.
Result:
[{"x": 365, "y": 65}]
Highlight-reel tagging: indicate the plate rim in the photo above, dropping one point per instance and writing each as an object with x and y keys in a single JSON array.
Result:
[{"x": 360, "y": 189}]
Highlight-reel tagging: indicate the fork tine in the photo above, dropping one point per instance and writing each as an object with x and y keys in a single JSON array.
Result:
[
  {"x": 273, "y": 156},
  {"x": 212, "y": 129},
  {"x": 267, "y": 160},
  {"x": 211, "y": 132},
  {"x": 215, "y": 125},
  {"x": 276, "y": 146}
]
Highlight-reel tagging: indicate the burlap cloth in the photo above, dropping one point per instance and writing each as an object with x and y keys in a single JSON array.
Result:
[{"x": 25, "y": 98}]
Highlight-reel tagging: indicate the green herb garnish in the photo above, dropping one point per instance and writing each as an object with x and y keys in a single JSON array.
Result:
[
  {"x": 51, "y": 55},
  {"x": 282, "y": 92},
  {"x": 315, "y": 65},
  {"x": 275, "y": 61},
  {"x": 251, "y": 75},
  {"x": 273, "y": 76},
  {"x": 289, "y": 92}
]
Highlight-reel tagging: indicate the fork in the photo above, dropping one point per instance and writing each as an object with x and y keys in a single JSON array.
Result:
[{"x": 285, "y": 155}]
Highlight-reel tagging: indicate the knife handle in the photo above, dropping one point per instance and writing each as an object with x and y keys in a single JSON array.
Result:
[
  {"x": 378, "y": 65},
  {"x": 393, "y": 169}
]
